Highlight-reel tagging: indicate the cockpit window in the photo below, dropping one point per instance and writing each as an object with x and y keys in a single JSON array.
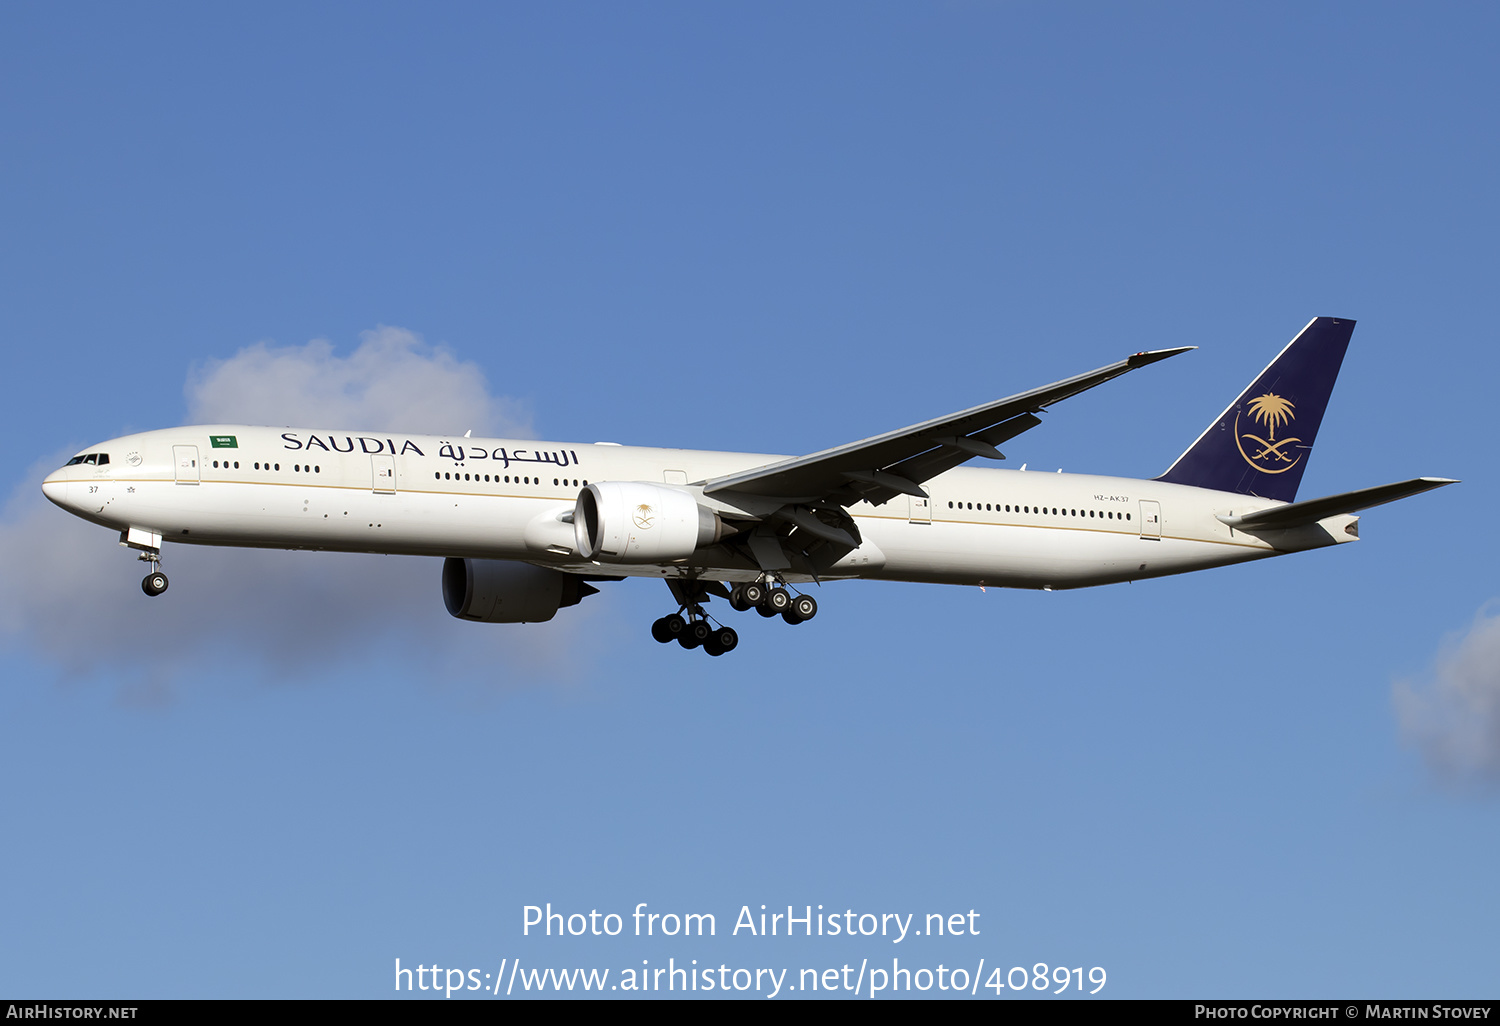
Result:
[{"x": 93, "y": 459}]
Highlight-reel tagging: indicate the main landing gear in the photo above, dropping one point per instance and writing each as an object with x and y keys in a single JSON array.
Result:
[
  {"x": 691, "y": 627},
  {"x": 773, "y": 599},
  {"x": 695, "y": 631},
  {"x": 155, "y": 582}
]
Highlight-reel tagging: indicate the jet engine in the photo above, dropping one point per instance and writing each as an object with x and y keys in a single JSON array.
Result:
[
  {"x": 504, "y": 591},
  {"x": 638, "y": 522}
]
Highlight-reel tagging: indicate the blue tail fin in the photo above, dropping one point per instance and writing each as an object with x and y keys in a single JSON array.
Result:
[{"x": 1261, "y": 444}]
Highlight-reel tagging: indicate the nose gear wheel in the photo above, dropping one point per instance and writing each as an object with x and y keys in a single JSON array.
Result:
[{"x": 155, "y": 582}]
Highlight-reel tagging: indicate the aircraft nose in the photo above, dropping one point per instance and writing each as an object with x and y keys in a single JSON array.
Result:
[{"x": 55, "y": 487}]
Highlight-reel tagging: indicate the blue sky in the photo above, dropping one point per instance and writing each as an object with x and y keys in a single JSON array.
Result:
[{"x": 770, "y": 228}]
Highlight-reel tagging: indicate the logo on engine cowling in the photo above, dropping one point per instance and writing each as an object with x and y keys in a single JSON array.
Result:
[{"x": 644, "y": 516}]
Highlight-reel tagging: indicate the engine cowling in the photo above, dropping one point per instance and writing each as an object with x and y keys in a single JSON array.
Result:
[
  {"x": 504, "y": 591},
  {"x": 640, "y": 522}
]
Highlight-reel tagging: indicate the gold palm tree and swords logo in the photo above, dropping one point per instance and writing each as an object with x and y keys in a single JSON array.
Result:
[
  {"x": 1269, "y": 454},
  {"x": 644, "y": 517}
]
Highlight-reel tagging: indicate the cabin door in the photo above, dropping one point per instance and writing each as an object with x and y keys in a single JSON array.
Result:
[
  {"x": 185, "y": 464},
  {"x": 383, "y": 469},
  {"x": 1151, "y": 520}
]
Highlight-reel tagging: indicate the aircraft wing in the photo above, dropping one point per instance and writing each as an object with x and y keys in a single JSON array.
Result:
[{"x": 879, "y": 468}]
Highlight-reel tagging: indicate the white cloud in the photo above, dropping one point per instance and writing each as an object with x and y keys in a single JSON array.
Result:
[
  {"x": 392, "y": 381},
  {"x": 1452, "y": 715},
  {"x": 70, "y": 595}
]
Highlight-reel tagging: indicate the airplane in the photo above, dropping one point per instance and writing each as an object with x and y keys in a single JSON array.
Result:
[{"x": 526, "y": 528}]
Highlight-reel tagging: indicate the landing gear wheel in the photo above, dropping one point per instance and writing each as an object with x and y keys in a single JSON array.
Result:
[
  {"x": 737, "y": 600},
  {"x": 696, "y": 634},
  {"x": 752, "y": 594},
  {"x": 722, "y": 640},
  {"x": 777, "y": 600},
  {"x": 664, "y": 630},
  {"x": 802, "y": 609},
  {"x": 154, "y": 583}
]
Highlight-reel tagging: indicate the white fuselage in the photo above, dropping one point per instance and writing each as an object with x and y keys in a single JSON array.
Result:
[{"x": 511, "y": 498}]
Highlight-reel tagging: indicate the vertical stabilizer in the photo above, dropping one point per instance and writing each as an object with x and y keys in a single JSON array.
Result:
[{"x": 1261, "y": 444}]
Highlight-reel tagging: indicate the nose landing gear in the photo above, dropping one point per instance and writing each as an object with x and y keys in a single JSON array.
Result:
[{"x": 155, "y": 582}]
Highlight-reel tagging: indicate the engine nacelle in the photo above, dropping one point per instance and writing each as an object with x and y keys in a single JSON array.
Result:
[
  {"x": 504, "y": 591},
  {"x": 639, "y": 522}
]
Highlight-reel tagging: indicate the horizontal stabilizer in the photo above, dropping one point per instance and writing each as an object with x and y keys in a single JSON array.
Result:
[{"x": 1310, "y": 511}]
